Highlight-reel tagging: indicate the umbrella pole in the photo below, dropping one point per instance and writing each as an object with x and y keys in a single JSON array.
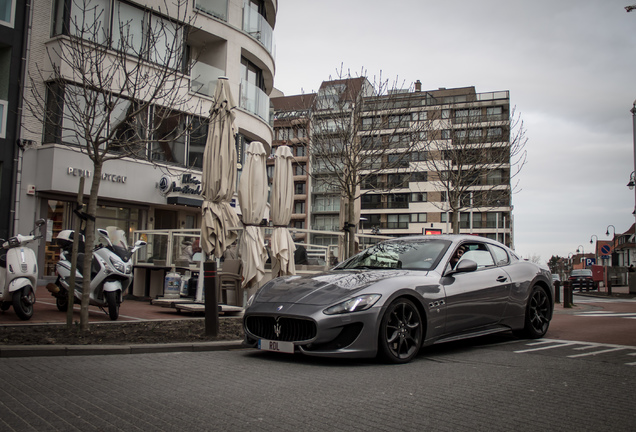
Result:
[{"x": 211, "y": 304}]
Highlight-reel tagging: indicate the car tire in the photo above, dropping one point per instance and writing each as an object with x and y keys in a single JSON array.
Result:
[
  {"x": 401, "y": 332},
  {"x": 538, "y": 314}
]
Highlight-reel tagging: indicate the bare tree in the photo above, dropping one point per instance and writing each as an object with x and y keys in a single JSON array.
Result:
[
  {"x": 361, "y": 134},
  {"x": 474, "y": 153},
  {"x": 113, "y": 91}
]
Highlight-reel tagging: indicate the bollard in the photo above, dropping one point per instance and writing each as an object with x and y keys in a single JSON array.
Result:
[
  {"x": 567, "y": 295},
  {"x": 609, "y": 287},
  {"x": 557, "y": 291}
]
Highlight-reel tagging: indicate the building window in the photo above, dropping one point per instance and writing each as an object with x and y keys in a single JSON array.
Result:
[
  {"x": 198, "y": 138},
  {"x": 418, "y": 176},
  {"x": 3, "y": 118},
  {"x": 299, "y": 169},
  {"x": 300, "y": 188},
  {"x": 446, "y": 134},
  {"x": 300, "y": 151},
  {"x": 418, "y": 217},
  {"x": 299, "y": 224},
  {"x": 133, "y": 30},
  {"x": 418, "y": 197},
  {"x": 299, "y": 207},
  {"x": 7, "y": 12},
  {"x": 400, "y": 221},
  {"x": 169, "y": 141},
  {"x": 446, "y": 113}
]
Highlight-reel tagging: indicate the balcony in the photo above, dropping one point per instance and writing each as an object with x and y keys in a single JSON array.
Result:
[
  {"x": 325, "y": 208},
  {"x": 216, "y": 8},
  {"x": 384, "y": 205},
  {"x": 203, "y": 78},
  {"x": 256, "y": 26},
  {"x": 254, "y": 100}
]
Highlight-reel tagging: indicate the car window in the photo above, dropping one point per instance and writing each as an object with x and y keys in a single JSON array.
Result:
[
  {"x": 479, "y": 253},
  {"x": 501, "y": 256},
  {"x": 414, "y": 255}
]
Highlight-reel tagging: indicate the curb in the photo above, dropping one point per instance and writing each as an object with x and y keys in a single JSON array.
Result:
[{"x": 7, "y": 351}]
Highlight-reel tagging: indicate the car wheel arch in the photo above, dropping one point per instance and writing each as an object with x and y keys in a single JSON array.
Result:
[{"x": 419, "y": 302}]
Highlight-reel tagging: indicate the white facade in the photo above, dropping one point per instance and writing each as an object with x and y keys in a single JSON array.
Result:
[{"x": 231, "y": 38}]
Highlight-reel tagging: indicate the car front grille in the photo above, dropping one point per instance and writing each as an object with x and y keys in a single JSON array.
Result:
[{"x": 281, "y": 328}]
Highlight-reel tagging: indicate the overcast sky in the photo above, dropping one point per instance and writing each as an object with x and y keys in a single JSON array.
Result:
[{"x": 570, "y": 67}]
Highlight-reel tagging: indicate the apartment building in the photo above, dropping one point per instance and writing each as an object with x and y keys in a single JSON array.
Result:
[
  {"x": 160, "y": 188},
  {"x": 415, "y": 142}
]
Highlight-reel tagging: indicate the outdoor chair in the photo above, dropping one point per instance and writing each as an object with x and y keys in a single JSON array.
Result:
[{"x": 230, "y": 279}]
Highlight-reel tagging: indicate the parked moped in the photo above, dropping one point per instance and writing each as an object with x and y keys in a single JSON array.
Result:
[
  {"x": 111, "y": 271},
  {"x": 18, "y": 274}
]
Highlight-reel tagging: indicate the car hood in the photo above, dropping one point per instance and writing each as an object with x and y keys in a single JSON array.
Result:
[{"x": 324, "y": 288}]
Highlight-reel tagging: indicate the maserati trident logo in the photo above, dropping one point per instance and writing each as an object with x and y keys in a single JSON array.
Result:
[
  {"x": 279, "y": 308},
  {"x": 277, "y": 328}
]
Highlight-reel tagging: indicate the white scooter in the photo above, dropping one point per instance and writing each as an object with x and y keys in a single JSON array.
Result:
[
  {"x": 111, "y": 271},
  {"x": 19, "y": 273}
]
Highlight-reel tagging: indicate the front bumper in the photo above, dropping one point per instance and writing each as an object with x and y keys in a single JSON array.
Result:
[{"x": 343, "y": 335}]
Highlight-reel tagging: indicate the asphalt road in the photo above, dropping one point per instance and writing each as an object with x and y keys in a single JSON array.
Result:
[
  {"x": 566, "y": 381},
  {"x": 492, "y": 384}
]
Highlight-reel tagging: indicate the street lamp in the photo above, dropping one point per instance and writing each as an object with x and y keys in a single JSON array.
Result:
[
  {"x": 613, "y": 228},
  {"x": 591, "y": 238},
  {"x": 632, "y": 181}
]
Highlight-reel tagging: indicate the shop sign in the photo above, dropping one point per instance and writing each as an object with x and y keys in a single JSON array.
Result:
[
  {"x": 114, "y": 178},
  {"x": 186, "y": 184}
]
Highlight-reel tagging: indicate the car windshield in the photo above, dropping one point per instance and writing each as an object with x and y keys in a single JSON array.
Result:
[
  {"x": 413, "y": 255},
  {"x": 581, "y": 273}
]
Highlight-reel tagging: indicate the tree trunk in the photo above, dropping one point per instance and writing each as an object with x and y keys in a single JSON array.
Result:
[
  {"x": 90, "y": 243},
  {"x": 351, "y": 215}
]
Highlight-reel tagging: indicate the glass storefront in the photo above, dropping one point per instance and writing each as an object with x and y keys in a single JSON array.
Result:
[{"x": 60, "y": 217}]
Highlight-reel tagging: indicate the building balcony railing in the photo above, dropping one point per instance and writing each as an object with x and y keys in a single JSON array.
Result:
[
  {"x": 203, "y": 78},
  {"x": 256, "y": 26},
  {"x": 254, "y": 100},
  {"x": 216, "y": 8},
  {"x": 384, "y": 205},
  {"x": 326, "y": 228},
  {"x": 385, "y": 225},
  {"x": 479, "y": 118},
  {"x": 325, "y": 208}
]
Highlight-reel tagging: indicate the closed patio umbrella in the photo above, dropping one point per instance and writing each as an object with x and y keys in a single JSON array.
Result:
[
  {"x": 252, "y": 196},
  {"x": 281, "y": 203},
  {"x": 219, "y": 175}
]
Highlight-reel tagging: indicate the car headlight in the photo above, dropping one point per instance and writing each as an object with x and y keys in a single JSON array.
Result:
[
  {"x": 355, "y": 304},
  {"x": 250, "y": 300}
]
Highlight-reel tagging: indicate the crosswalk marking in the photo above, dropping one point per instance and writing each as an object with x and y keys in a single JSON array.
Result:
[
  {"x": 557, "y": 345},
  {"x": 605, "y": 314},
  {"x": 589, "y": 348},
  {"x": 595, "y": 352}
]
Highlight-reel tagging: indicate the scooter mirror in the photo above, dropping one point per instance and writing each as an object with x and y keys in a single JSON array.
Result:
[
  {"x": 40, "y": 222},
  {"x": 140, "y": 243}
]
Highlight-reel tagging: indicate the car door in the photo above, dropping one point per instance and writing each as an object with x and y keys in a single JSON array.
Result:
[{"x": 478, "y": 298}]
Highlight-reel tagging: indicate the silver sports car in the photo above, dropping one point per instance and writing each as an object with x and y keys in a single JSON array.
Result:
[{"x": 397, "y": 296}]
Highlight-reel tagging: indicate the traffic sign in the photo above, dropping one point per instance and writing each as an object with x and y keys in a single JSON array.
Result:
[
  {"x": 590, "y": 261},
  {"x": 606, "y": 249}
]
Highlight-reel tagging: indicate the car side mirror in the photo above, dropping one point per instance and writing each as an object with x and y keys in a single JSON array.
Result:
[{"x": 464, "y": 266}]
